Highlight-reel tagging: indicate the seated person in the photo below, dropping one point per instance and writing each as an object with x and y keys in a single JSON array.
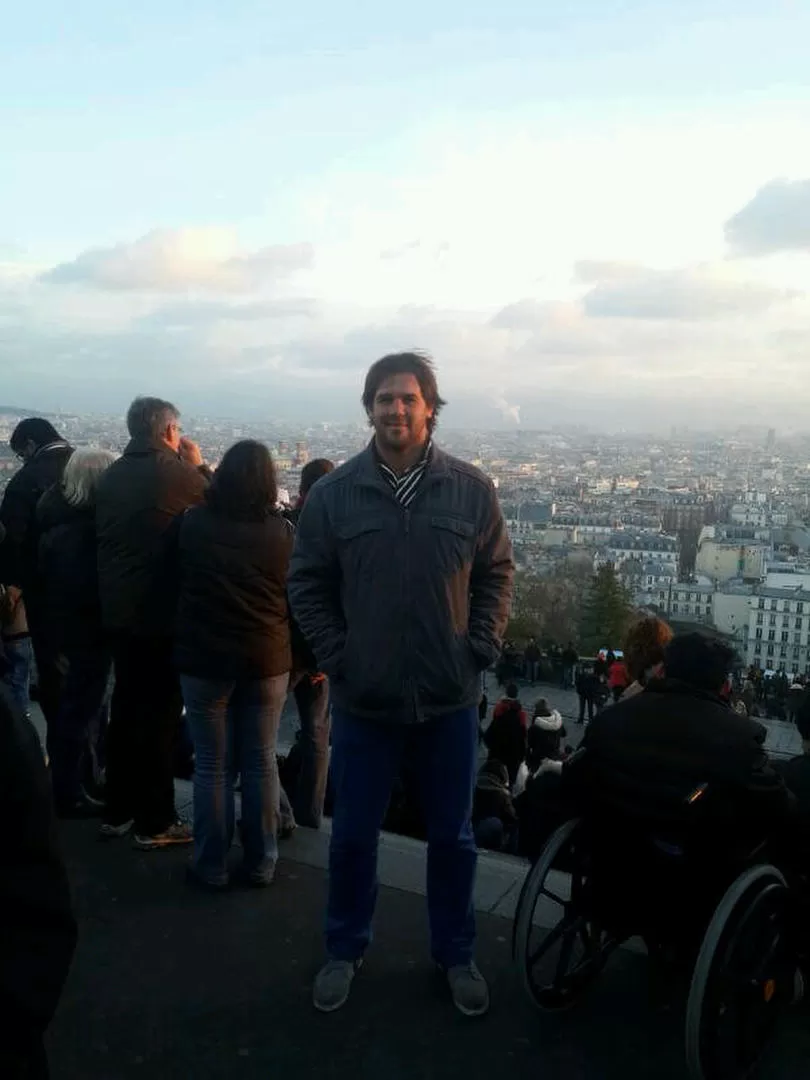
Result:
[
  {"x": 494, "y": 817},
  {"x": 677, "y": 736},
  {"x": 796, "y": 774},
  {"x": 644, "y": 652},
  {"x": 544, "y": 751},
  {"x": 505, "y": 738}
]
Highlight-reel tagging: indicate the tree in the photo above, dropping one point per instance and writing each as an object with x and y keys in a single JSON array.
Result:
[
  {"x": 606, "y": 612},
  {"x": 547, "y": 608}
]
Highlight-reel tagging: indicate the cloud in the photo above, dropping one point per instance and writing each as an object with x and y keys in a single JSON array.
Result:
[
  {"x": 588, "y": 271},
  {"x": 776, "y": 219},
  {"x": 203, "y": 313},
  {"x": 691, "y": 293},
  {"x": 167, "y": 260}
]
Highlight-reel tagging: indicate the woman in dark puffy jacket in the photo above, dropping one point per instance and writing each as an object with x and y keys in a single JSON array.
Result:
[
  {"x": 229, "y": 558},
  {"x": 72, "y": 623}
]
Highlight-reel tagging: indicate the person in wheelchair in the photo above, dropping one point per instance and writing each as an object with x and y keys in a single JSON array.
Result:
[{"x": 678, "y": 736}]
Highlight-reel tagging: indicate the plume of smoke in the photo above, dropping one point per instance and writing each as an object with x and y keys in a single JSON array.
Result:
[{"x": 509, "y": 412}]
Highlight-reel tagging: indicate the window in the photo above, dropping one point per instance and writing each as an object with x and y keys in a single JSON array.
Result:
[
  {"x": 770, "y": 650},
  {"x": 675, "y": 609},
  {"x": 759, "y": 634},
  {"x": 785, "y": 620},
  {"x": 800, "y": 607},
  {"x": 797, "y": 639},
  {"x": 784, "y": 635},
  {"x": 774, "y": 605},
  {"x": 708, "y": 609},
  {"x": 798, "y": 623},
  {"x": 796, "y": 653},
  {"x": 771, "y": 635},
  {"x": 772, "y": 620},
  {"x": 757, "y": 648},
  {"x": 761, "y": 604},
  {"x": 760, "y": 619}
]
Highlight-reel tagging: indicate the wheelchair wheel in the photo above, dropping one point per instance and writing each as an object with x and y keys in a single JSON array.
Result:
[
  {"x": 743, "y": 978},
  {"x": 557, "y": 964}
]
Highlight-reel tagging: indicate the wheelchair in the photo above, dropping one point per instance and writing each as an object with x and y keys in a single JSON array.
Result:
[{"x": 608, "y": 876}]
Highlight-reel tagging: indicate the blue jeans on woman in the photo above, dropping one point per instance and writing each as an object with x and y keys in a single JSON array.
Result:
[
  {"x": 20, "y": 658},
  {"x": 234, "y": 725}
]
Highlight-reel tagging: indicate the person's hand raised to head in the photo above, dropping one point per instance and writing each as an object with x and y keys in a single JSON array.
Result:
[{"x": 190, "y": 452}]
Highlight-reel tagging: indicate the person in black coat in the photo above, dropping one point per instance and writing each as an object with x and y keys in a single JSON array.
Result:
[
  {"x": 678, "y": 735},
  {"x": 159, "y": 475},
  {"x": 311, "y": 690},
  {"x": 70, "y": 602},
  {"x": 494, "y": 817},
  {"x": 796, "y": 774},
  {"x": 39, "y": 930},
  {"x": 44, "y": 454},
  {"x": 230, "y": 559}
]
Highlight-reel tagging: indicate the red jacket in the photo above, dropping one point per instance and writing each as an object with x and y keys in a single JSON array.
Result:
[{"x": 618, "y": 674}]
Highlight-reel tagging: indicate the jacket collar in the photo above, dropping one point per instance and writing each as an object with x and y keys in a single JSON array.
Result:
[
  {"x": 57, "y": 444},
  {"x": 677, "y": 687},
  {"x": 368, "y": 472},
  {"x": 146, "y": 446}
]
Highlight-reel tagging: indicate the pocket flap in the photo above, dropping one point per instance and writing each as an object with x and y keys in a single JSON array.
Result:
[
  {"x": 454, "y": 525},
  {"x": 348, "y": 530}
]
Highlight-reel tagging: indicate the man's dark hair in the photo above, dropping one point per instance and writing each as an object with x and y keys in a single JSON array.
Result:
[
  {"x": 417, "y": 364},
  {"x": 699, "y": 660},
  {"x": 313, "y": 471},
  {"x": 148, "y": 417},
  {"x": 36, "y": 430},
  {"x": 511, "y": 690},
  {"x": 244, "y": 486}
]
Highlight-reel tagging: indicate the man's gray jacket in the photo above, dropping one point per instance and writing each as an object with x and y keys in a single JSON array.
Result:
[{"x": 403, "y": 608}]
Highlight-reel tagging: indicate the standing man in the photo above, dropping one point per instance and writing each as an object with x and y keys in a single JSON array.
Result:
[
  {"x": 44, "y": 454},
  {"x": 401, "y": 581},
  {"x": 311, "y": 691},
  {"x": 159, "y": 475}
]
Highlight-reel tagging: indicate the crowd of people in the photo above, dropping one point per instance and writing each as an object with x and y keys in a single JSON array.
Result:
[{"x": 171, "y": 609}]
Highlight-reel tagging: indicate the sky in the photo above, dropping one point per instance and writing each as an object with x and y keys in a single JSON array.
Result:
[{"x": 597, "y": 215}]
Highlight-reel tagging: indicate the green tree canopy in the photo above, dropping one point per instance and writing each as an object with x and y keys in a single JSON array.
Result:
[{"x": 606, "y": 612}]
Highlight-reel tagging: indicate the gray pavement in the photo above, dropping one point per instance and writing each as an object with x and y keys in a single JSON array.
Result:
[{"x": 171, "y": 983}]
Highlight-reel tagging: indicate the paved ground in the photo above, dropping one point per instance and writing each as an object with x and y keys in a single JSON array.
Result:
[{"x": 171, "y": 984}]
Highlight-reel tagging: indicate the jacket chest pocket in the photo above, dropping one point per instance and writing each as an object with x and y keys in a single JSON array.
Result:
[
  {"x": 361, "y": 548},
  {"x": 453, "y": 541}
]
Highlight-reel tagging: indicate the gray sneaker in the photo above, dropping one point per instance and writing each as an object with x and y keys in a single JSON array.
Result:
[
  {"x": 178, "y": 833},
  {"x": 333, "y": 984},
  {"x": 110, "y": 831},
  {"x": 469, "y": 990}
]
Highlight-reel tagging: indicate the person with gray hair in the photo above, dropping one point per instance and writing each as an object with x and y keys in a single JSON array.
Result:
[
  {"x": 160, "y": 475},
  {"x": 69, "y": 582}
]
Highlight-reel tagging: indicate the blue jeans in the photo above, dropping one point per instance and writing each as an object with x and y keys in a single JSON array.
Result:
[
  {"x": 365, "y": 759},
  {"x": 19, "y": 655},
  {"x": 234, "y": 725},
  {"x": 80, "y": 719},
  {"x": 312, "y": 700}
]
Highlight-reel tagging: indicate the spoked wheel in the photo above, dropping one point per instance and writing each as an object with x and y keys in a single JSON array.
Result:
[
  {"x": 743, "y": 979},
  {"x": 559, "y": 963}
]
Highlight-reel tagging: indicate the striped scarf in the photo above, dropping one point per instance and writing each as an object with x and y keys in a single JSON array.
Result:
[{"x": 406, "y": 484}]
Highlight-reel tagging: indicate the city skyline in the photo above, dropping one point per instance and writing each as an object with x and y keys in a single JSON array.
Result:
[{"x": 586, "y": 216}]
